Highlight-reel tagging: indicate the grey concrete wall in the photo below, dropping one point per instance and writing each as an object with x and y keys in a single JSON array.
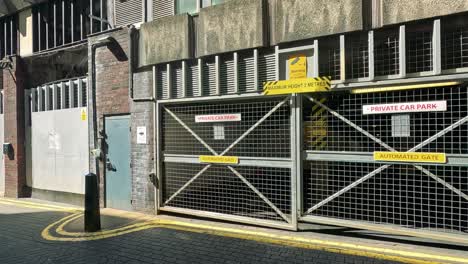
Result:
[
  {"x": 235, "y": 25},
  {"x": 163, "y": 40},
  {"x": 303, "y": 19},
  {"x": 142, "y": 154},
  {"x": 398, "y": 11}
]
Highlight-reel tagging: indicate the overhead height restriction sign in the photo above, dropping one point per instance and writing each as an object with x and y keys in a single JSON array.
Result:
[{"x": 309, "y": 85}]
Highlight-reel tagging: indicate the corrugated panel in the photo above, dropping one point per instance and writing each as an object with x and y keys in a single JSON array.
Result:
[
  {"x": 161, "y": 82},
  {"x": 192, "y": 79},
  {"x": 176, "y": 81},
  {"x": 128, "y": 12},
  {"x": 226, "y": 78},
  {"x": 246, "y": 72},
  {"x": 266, "y": 68},
  {"x": 162, "y": 8},
  {"x": 209, "y": 78}
]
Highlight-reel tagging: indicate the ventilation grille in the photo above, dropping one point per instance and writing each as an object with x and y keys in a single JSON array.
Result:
[
  {"x": 162, "y": 8},
  {"x": 266, "y": 68},
  {"x": 128, "y": 12}
]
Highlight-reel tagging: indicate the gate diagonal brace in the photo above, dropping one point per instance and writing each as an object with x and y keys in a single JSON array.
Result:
[
  {"x": 266, "y": 200},
  {"x": 277, "y": 210},
  {"x": 380, "y": 169}
]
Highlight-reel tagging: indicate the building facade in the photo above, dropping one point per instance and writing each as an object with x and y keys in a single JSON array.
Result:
[{"x": 163, "y": 99}]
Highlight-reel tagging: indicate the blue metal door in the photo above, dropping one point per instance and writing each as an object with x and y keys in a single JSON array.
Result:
[{"x": 118, "y": 176}]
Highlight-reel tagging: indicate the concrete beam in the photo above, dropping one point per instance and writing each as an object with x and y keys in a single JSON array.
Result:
[
  {"x": 234, "y": 25},
  {"x": 399, "y": 11},
  {"x": 164, "y": 40},
  {"x": 304, "y": 19}
]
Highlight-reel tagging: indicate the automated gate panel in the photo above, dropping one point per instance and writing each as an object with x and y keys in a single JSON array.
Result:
[
  {"x": 341, "y": 136},
  {"x": 341, "y": 180},
  {"x": 400, "y": 195},
  {"x": 219, "y": 190},
  {"x": 271, "y": 138},
  {"x": 257, "y": 131}
]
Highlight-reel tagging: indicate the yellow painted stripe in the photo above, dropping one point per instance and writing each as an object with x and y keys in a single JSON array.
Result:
[
  {"x": 402, "y": 87},
  {"x": 346, "y": 248},
  {"x": 38, "y": 204},
  {"x": 323, "y": 100},
  {"x": 296, "y": 241}
]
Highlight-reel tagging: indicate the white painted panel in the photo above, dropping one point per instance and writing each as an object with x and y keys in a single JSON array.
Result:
[
  {"x": 59, "y": 150},
  {"x": 2, "y": 165}
]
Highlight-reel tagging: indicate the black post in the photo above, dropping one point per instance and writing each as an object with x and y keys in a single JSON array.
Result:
[{"x": 92, "y": 217}]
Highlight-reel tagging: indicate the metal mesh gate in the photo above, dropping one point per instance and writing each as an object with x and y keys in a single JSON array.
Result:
[
  {"x": 342, "y": 181},
  {"x": 258, "y": 189}
]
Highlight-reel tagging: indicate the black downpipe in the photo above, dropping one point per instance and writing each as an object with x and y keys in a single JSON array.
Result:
[{"x": 131, "y": 48}]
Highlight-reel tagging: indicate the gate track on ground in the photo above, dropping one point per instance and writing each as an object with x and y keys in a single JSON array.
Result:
[{"x": 58, "y": 227}]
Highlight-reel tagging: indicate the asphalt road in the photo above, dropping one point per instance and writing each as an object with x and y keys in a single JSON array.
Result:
[{"x": 21, "y": 242}]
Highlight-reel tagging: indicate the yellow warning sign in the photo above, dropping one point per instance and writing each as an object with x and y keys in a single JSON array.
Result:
[
  {"x": 219, "y": 159},
  {"x": 297, "y": 67},
  {"x": 425, "y": 157},
  {"x": 83, "y": 114},
  {"x": 310, "y": 85}
]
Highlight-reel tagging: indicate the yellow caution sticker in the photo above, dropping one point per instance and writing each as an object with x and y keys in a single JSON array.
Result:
[
  {"x": 83, "y": 115},
  {"x": 422, "y": 157},
  {"x": 219, "y": 159},
  {"x": 310, "y": 85},
  {"x": 297, "y": 66}
]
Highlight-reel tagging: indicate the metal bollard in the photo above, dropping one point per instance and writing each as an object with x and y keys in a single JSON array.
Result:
[{"x": 92, "y": 216}]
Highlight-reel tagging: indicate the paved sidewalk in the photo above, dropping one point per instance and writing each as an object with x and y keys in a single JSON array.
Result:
[{"x": 167, "y": 240}]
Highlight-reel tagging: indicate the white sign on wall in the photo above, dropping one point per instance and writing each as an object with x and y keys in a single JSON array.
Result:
[
  {"x": 429, "y": 106},
  {"x": 218, "y": 118},
  {"x": 141, "y": 135}
]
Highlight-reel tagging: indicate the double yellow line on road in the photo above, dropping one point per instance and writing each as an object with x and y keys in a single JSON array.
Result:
[{"x": 57, "y": 232}]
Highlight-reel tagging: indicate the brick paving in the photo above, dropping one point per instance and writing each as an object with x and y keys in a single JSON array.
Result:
[{"x": 21, "y": 242}]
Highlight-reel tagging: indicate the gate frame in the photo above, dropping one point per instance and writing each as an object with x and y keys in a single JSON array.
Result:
[
  {"x": 453, "y": 160},
  {"x": 294, "y": 149}
]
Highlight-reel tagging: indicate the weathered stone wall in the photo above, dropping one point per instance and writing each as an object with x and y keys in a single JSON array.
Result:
[
  {"x": 399, "y": 11},
  {"x": 163, "y": 40},
  {"x": 234, "y": 25},
  {"x": 303, "y": 19}
]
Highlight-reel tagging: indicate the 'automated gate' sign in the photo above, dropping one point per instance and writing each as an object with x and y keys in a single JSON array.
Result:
[
  {"x": 429, "y": 106},
  {"x": 424, "y": 157}
]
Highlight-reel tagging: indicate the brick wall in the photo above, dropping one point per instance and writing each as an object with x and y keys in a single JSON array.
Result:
[
  {"x": 112, "y": 98},
  {"x": 14, "y": 82},
  {"x": 142, "y": 154}
]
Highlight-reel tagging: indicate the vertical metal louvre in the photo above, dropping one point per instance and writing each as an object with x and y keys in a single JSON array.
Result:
[
  {"x": 163, "y": 8},
  {"x": 59, "y": 95},
  {"x": 246, "y": 67},
  {"x": 128, "y": 12},
  {"x": 161, "y": 82},
  {"x": 177, "y": 90},
  {"x": 193, "y": 88},
  {"x": 227, "y": 75},
  {"x": 209, "y": 77},
  {"x": 266, "y": 67}
]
